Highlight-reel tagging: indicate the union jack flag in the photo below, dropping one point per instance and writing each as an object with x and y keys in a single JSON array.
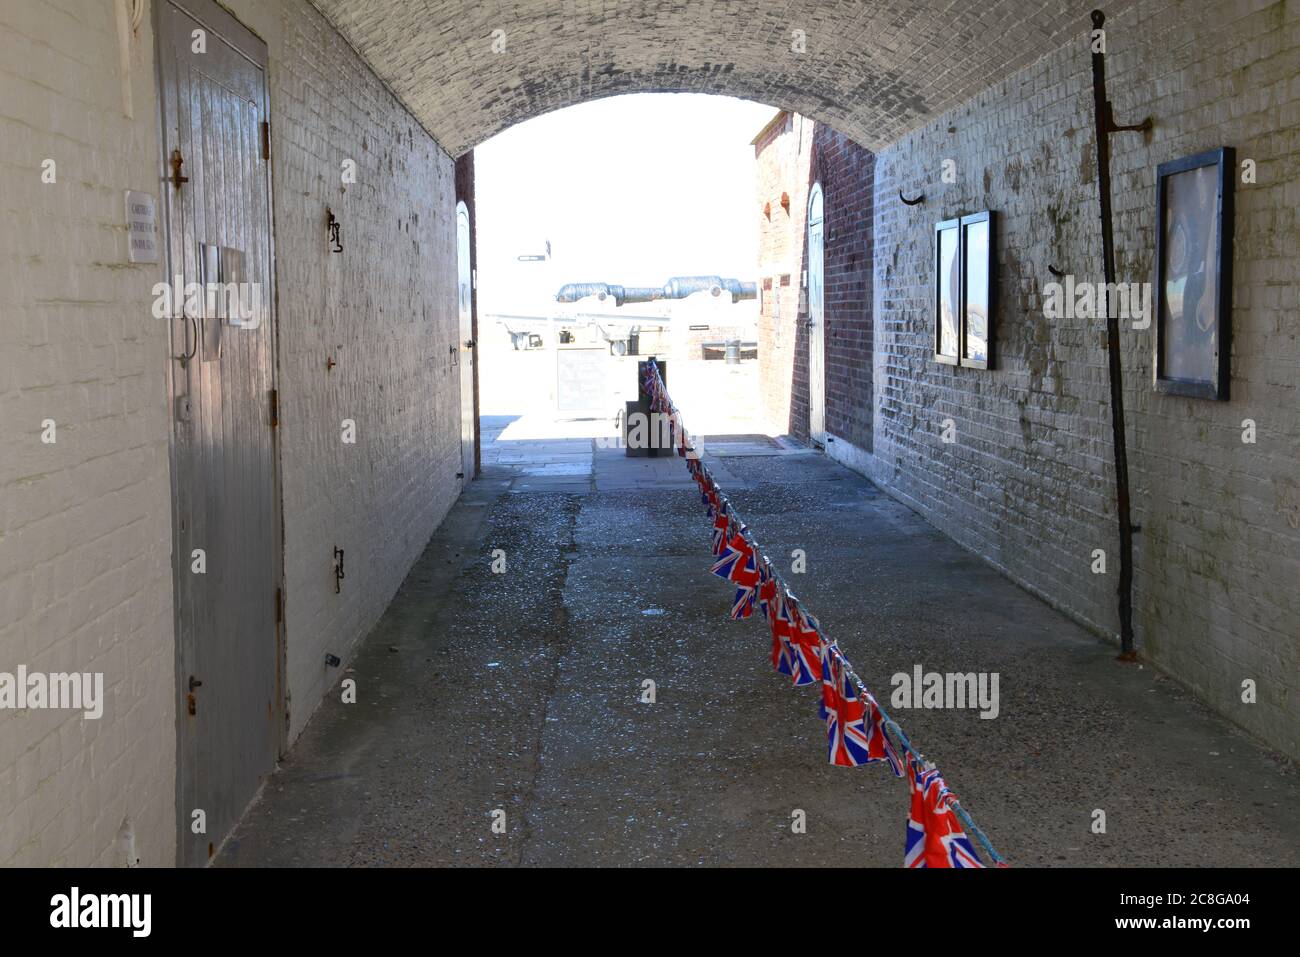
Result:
[
  {"x": 737, "y": 563},
  {"x": 742, "y": 606},
  {"x": 782, "y": 626},
  {"x": 702, "y": 478},
  {"x": 879, "y": 747},
  {"x": 934, "y": 838},
  {"x": 805, "y": 647},
  {"x": 845, "y": 714},
  {"x": 855, "y": 726},
  {"x": 721, "y": 522},
  {"x": 712, "y": 498}
]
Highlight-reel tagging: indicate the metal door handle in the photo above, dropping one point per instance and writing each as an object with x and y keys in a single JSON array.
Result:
[{"x": 185, "y": 357}]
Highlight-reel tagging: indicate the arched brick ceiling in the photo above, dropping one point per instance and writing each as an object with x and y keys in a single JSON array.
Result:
[{"x": 873, "y": 68}]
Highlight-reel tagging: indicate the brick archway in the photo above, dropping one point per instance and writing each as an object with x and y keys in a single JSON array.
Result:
[{"x": 872, "y": 70}]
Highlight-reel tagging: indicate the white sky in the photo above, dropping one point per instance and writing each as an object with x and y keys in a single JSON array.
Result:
[{"x": 631, "y": 190}]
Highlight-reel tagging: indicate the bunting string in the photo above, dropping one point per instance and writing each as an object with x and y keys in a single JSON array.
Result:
[{"x": 859, "y": 728}]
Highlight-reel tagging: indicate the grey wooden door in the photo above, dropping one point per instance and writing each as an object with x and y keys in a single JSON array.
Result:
[
  {"x": 226, "y": 517},
  {"x": 465, "y": 289}
]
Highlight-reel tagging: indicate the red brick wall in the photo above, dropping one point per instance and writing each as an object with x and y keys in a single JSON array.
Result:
[
  {"x": 783, "y": 153},
  {"x": 791, "y": 155}
]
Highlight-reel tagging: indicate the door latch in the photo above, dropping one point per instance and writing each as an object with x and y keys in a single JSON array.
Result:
[{"x": 177, "y": 162}]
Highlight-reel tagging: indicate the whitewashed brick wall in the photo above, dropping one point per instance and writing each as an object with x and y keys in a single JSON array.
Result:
[
  {"x": 1028, "y": 483},
  {"x": 85, "y": 529},
  {"x": 384, "y": 309}
]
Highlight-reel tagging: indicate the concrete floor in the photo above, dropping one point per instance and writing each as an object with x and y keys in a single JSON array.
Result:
[{"x": 520, "y": 692}]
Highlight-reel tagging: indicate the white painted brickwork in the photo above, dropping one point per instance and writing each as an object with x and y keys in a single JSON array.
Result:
[
  {"x": 1028, "y": 483},
  {"x": 384, "y": 309},
  {"x": 85, "y": 530}
]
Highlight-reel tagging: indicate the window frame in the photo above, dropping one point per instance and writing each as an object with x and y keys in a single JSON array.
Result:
[
  {"x": 959, "y": 225},
  {"x": 947, "y": 225},
  {"x": 985, "y": 216}
]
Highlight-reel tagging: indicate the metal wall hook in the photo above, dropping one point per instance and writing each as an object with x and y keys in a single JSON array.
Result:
[
  {"x": 1055, "y": 272},
  {"x": 911, "y": 202},
  {"x": 335, "y": 232},
  {"x": 339, "y": 574}
]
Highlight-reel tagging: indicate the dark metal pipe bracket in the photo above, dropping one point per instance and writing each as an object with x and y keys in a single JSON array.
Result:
[
  {"x": 911, "y": 202},
  {"x": 1107, "y": 118}
]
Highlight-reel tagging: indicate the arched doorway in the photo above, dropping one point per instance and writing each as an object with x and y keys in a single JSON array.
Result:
[
  {"x": 816, "y": 322},
  {"x": 465, "y": 348}
]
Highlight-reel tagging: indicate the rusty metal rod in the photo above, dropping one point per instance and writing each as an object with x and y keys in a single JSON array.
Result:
[{"x": 1105, "y": 126}]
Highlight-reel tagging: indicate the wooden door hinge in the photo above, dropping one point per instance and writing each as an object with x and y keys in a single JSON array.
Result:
[
  {"x": 275, "y": 408},
  {"x": 266, "y": 139}
]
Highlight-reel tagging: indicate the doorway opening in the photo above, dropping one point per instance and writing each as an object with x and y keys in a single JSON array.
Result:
[{"x": 595, "y": 252}]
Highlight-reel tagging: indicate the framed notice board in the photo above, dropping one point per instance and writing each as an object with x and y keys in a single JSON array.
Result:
[{"x": 581, "y": 380}]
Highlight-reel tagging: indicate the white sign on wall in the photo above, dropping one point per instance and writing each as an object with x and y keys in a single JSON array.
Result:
[{"x": 141, "y": 228}]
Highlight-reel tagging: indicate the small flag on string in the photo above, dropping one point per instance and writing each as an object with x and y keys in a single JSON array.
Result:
[
  {"x": 733, "y": 558},
  {"x": 879, "y": 747},
  {"x": 742, "y": 606},
  {"x": 805, "y": 646},
  {"x": 738, "y": 564},
  {"x": 845, "y": 714},
  {"x": 721, "y": 523},
  {"x": 781, "y": 625},
  {"x": 934, "y": 838}
]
